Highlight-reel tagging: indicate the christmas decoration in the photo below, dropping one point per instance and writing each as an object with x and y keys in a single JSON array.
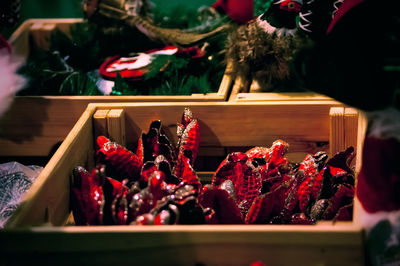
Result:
[
  {"x": 129, "y": 12},
  {"x": 262, "y": 49},
  {"x": 76, "y": 64},
  {"x": 240, "y": 11}
]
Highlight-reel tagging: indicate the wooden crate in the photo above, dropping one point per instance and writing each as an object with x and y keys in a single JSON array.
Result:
[
  {"x": 36, "y": 230},
  {"x": 34, "y": 125}
]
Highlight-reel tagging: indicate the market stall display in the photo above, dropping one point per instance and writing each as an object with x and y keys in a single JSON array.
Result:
[{"x": 48, "y": 201}]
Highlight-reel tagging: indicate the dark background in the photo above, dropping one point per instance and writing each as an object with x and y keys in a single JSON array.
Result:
[{"x": 72, "y": 9}]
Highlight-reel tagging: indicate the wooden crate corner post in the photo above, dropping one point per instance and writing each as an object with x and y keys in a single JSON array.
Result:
[{"x": 116, "y": 126}]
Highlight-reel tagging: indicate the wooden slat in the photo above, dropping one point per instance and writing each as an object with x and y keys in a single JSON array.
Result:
[
  {"x": 337, "y": 137},
  {"x": 50, "y": 118},
  {"x": 351, "y": 128},
  {"x": 188, "y": 245},
  {"x": 361, "y": 132},
  {"x": 100, "y": 123},
  {"x": 41, "y": 33},
  {"x": 116, "y": 126},
  {"x": 285, "y": 96}
]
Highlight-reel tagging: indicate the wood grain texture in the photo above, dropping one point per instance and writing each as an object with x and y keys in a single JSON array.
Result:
[
  {"x": 337, "y": 131},
  {"x": 189, "y": 245},
  {"x": 116, "y": 126},
  {"x": 351, "y": 127},
  {"x": 100, "y": 123}
]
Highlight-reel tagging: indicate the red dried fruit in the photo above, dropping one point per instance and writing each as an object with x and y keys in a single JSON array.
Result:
[
  {"x": 157, "y": 185},
  {"x": 162, "y": 218},
  {"x": 87, "y": 199},
  {"x": 310, "y": 187},
  {"x": 185, "y": 172},
  {"x": 317, "y": 185},
  {"x": 139, "y": 203},
  {"x": 159, "y": 164},
  {"x": 147, "y": 170},
  {"x": 278, "y": 150},
  {"x": 221, "y": 206},
  {"x": 155, "y": 143},
  {"x": 266, "y": 206},
  {"x": 258, "y": 152},
  {"x": 345, "y": 213},
  {"x": 188, "y": 132},
  {"x": 246, "y": 177},
  {"x": 115, "y": 208},
  {"x": 277, "y": 159},
  {"x": 343, "y": 159},
  {"x": 300, "y": 218},
  {"x": 179, "y": 207},
  {"x": 140, "y": 150},
  {"x": 304, "y": 193},
  {"x": 145, "y": 219},
  {"x": 337, "y": 172},
  {"x": 119, "y": 209},
  {"x": 318, "y": 209},
  {"x": 125, "y": 163},
  {"x": 343, "y": 196},
  {"x": 234, "y": 163},
  {"x": 229, "y": 187},
  {"x": 292, "y": 196}
]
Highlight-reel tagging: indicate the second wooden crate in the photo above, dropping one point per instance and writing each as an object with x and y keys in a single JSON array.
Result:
[{"x": 35, "y": 125}]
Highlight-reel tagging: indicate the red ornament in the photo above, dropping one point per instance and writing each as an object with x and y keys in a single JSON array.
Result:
[{"x": 132, "y": 68}]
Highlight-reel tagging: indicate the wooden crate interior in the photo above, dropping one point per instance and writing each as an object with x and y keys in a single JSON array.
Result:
[{"x": 224, "y": 128}]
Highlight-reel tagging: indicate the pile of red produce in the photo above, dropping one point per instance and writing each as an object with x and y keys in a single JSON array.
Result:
[{"x": 158, "y": 185}]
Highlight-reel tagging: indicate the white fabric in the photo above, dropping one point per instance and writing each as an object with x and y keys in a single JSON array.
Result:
[{"x": 10, "y": 81}]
